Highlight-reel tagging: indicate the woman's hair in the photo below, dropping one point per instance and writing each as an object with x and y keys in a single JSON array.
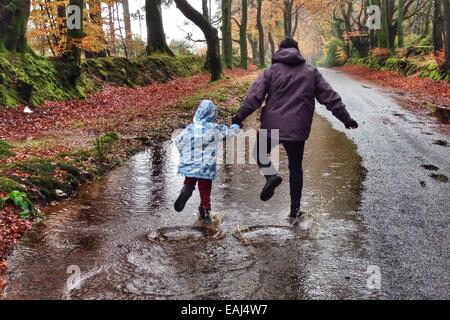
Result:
[{"x": 289, "y": 42}]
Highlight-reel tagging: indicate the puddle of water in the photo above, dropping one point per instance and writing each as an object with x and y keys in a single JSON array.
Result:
[
  {"x": 265, "y": 234},
  {"x": 178, "y": 234},
  {"x": 111, "y": 222},
  {"x": 199, "y": 232}
]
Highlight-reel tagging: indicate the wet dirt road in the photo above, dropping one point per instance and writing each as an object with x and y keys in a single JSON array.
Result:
[
  {"x": 128, "y": 243},
  {"x": 406, "y": 198}
]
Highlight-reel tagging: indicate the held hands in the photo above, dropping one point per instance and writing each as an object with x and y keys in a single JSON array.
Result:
[
  {"x": 237, "y": 120},
  {"x": 352, "y": 125}
]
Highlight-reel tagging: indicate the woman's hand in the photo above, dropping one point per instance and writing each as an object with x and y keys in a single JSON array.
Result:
[
  {"x": 238, "y": 121},
  {"x": 352, "y": 125}
]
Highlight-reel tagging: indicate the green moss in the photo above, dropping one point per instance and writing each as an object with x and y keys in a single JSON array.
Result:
[
  {"x": 109, "y": 137},
  {"x": 5, "y": 150},
  {"x": 38, "y": 79},
  {"x": 7, "y": 185},
  {"x": 405, "y": 66},
  {"x": 73, "y": 181},
  {"x": 141, "y": 71},
  {"x": 69, "y": 168},
  {"x": 48, "y": 185},
  {"x": 235, "y": 91},
  {"x": 38, "y": 166},
  {"x": 6, "y": 98},
  {"x": 102, "y": 143},
  {"x": 35, "y": 79}
]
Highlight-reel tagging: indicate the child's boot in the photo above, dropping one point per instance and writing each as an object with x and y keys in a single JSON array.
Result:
[
  {"x": 295, "y": 214},
  {"x": 205, "y": 214},
  {"x": 185, "y": 195}
]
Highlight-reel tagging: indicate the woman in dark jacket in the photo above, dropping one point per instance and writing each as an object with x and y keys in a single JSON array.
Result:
[{"x": 289, "y": 88}]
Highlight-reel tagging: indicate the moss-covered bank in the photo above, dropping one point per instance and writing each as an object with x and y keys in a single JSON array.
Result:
[
  {"x": 141, "y": 71},
  {"x": 31, "y": 79},
  {"x": 424, "y": 68}
]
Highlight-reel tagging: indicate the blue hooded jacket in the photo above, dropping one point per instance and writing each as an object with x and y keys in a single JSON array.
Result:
[{"x": 197, "y": 144}]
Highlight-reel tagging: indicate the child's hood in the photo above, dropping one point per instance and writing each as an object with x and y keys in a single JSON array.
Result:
[{"x": 206, "y": 112}]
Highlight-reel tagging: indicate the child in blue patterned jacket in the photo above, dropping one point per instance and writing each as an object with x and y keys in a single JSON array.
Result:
[{"x": 197, "y": 145}]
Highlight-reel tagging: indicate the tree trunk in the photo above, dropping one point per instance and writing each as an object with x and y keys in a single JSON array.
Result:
[
  {"x": 122, "y": 38},
  {"x": 127, "y": 20},
  {"x": 392, "y": 27},
  {"x": 373, "y": 40},
  {"x": 287, "y": 17},
  {"x": 51, "y": 19},
  {"x": 438, "y": 42},
  {"x": 206, "y": 14},
  {"x": 156, "y": 37},
  {"x": 262, "y": 62},
  {"x": 14, "y": 16},
  {"x": 383, "y": 33},
  {"x": 446, "y": 24},
  {"x": 127, "y": 23},
  {"x": 254, "y": 47},
  {"x": 205, "y": 9},
  {"x": 243, "y": 34},
  {"x": 426, "y": 30},
  {"x": 294, "y": 29},
  {"x": 210, "y": 33},
  {"x": 400, "y": 31},
  {"x": 112, "y": 29},
  {"x": 71, "y": 57},
  {"x": 227, "y": 41},
  {"x": 271, "y": 43}
]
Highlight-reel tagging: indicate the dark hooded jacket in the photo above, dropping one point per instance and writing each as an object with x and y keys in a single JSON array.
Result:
[{"x": 289, "y": 88}]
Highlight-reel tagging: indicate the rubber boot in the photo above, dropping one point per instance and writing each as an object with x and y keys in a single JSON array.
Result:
[
  {"x": 183, "y": 198},
  {"x": 205, "y": 214}
]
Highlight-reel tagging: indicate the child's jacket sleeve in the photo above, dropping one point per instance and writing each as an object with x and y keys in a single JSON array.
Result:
[{"x": 180, "y": 140}]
